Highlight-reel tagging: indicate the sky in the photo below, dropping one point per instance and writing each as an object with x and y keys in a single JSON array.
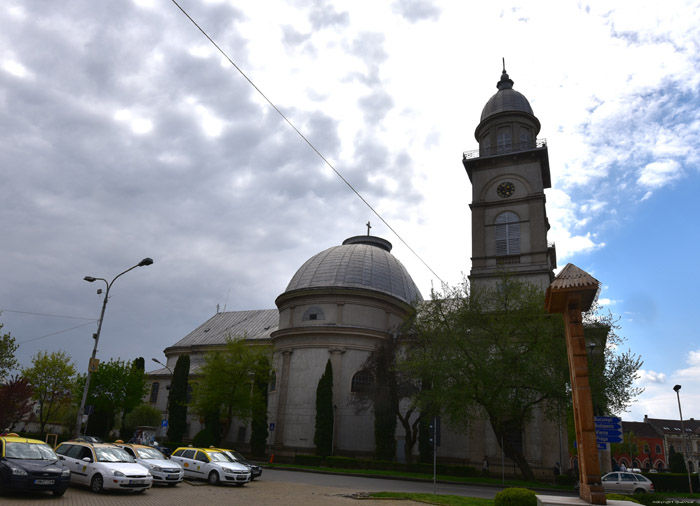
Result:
[{"x": 125, "y": 134}]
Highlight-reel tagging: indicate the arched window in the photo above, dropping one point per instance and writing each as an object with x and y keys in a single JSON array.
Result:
[
  {"x": 507, "y": 234},
  {"x": 362, "y": 382},
  {"x": 646, "y": 448},
  {"x": 154, "y": 392},
  {"x": 524, "y": 138},
  {"x": 658, "y": 450},
  {"x": 504, "y": 139}
]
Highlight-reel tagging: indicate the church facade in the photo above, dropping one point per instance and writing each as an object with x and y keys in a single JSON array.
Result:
[{"x": 345, "y": 301}]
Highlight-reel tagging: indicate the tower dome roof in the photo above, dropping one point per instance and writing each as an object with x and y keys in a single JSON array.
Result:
[
  {"x": 506, "y": 99},
  {"x": 360, "y": 262}
]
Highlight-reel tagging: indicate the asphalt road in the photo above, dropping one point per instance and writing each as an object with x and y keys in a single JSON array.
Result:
[{"x": 276, "y": 488}]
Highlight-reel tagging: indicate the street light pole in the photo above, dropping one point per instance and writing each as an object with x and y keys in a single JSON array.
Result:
[
  {"x": 677, "y": 389},
  {"x": 167, "y": 402},
  {"x": 96, "y": 336}
]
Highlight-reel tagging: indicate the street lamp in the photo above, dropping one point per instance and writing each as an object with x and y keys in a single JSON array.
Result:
[
  {"x": 92, "y": 365},
  {"x": 677, "y": 389}
]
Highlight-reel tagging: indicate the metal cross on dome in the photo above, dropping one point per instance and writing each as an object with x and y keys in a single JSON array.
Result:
[{"x": 368, "y": 227}]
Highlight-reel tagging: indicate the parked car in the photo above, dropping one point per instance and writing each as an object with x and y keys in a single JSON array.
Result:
[
  {"x": 163, "y": 470},
  {"x": 30, "y": 464},
  {"x": 211, "y": 465},
  {"x": 255, "y": 470},
  {"x": 626, "y": 483},
  {"x": 103, "y": 466}
]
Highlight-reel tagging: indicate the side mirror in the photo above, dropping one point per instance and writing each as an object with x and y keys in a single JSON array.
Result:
[{"x": 86, "y": 459}]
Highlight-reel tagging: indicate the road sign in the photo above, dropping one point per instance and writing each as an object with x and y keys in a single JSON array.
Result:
[
  {"x": 602, "y": 446},
  {"x": 607, "y": 419},
  {"x": 164, "y": 423},
  {"x": 609, "y": 433},
  {"x": 609, "y": 439},
  {"x": 613, "y": 426}
]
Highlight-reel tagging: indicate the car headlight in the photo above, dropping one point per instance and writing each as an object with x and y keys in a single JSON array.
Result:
[
  {"x": 65, "y": 472},
  {"x": 18, "y": 471},
  {"x": 118, "y": 473},
  {"x": 156, "y": 468},
  {"x": 229, "y": 471}
]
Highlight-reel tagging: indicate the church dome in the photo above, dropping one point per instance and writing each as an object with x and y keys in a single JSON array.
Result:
[
  {"x": 360, "y": 262},
  {"x": 506, "y": 100}
]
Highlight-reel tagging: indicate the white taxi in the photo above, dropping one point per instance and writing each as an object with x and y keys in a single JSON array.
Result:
[
  {"x": 211, "y": 465},
  {"x": 163, "y": 470}
]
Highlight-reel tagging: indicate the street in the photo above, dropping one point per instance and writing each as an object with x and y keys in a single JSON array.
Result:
[{"x": 277, "y": 487}]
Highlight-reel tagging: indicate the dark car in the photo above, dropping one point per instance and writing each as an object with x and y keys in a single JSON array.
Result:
[
  {"x": 255, "y": 470},
  {"x": 30, "y": 464}
]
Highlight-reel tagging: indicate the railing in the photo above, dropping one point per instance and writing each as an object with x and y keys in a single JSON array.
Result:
[{"x": 508, "y": 148}]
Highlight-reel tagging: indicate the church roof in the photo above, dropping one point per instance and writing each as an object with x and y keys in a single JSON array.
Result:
[
  {"x": 506, "y": 100},
  {"x": 253, "y": 325},
  {"x": 360, "y": 262}
]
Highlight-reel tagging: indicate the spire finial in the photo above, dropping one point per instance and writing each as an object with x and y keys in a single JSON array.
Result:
[
  {"x": 504, "y": 65},
  {"x": 505, "y": 83},
  {"x": 368, "y": 227}
]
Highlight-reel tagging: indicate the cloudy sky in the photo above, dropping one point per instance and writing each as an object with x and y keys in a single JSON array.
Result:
[{"x": 125, "y": 134}]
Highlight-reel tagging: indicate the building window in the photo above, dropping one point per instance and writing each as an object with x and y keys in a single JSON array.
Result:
[
  {"x": 313, "y": 313},
  {"x": 504, "y": 139},
  {"x": 362, "y": 382},
  {"x": 273, "y": 382},
  {"x": 659, "y": 451},
  {"x": 646, "y": 448},
  {"x": 507, "y": 234},
  {"x": 154, "y": 392},
  {"x": 524, "y": 138}
]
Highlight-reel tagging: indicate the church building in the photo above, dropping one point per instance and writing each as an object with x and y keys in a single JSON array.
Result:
[{"x": 346, "y": 300}]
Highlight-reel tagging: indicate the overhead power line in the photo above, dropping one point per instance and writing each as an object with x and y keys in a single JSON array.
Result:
[
  {"x": 307, "y": 141},
  {"x": 54, "y": 333},
  {"x": 48, "y": 315}
]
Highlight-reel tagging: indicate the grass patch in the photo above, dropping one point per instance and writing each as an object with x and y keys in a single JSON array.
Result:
[
  {"x": 427, "y": 477},
  {"x": 448, "y": 500}
]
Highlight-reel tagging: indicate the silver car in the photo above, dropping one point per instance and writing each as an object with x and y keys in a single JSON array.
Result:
[{"x": 626, "y": 483}]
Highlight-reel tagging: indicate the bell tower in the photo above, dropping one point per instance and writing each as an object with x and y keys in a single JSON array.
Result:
[{"x": 509, "y": 173}]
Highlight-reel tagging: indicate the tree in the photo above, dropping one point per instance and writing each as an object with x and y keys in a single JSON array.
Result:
[
  {"x": 116, "y": 388},
  {"x": 8, "y": 361},
  {"x": 142, "y": 415},
  {"x": 16, "y": 401},
  {"x": 52, "y": 378},
  {"x": 225, "y": 389},
  {"x": 494, "y": 352},
  {"x": 177, "y": 399},
  {"x": 323, "y": 433},
  {"x": 258, "y": 432},
  {"x": 676, "y": 461}
]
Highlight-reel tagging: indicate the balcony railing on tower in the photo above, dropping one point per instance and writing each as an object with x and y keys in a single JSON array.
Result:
[{"x": 505, "y": 148}]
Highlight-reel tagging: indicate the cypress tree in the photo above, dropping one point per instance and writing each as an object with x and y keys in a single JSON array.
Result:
[
  {"x": 323, "y": 436},
  {"x": 258, "y": 433},
  {"x": 177, "y": 399},
  {"x": 385, "y": 406}
]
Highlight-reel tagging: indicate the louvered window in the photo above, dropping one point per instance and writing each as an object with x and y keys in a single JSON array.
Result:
[
  {"x": 154, "y": 392},
  {"x": 505, "y": 140},
  {"x": 507, "y": 234}
]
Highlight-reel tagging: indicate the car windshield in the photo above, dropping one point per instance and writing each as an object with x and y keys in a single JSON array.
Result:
[
  {"x": 149, "y": 454},
  {"x": 218, "y": 457},
  {"x": 29, "y": 451},
  {"x": 109, "y": 454}
]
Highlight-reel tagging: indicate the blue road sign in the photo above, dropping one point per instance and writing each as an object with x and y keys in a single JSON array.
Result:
[
  {"x": 164, "y": 423},
  {"x": 609, "y": 433},
  {"x": 602, "y": 446},
  {"x": 607, "y": 419},
  {"x": 609, "y": 439},
  {"x": 613, "y": 426}
]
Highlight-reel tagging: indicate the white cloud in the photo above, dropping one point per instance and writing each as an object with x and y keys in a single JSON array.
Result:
[
  {"x": 657, "y": 174},
  {"x": 646, "y": 377}
]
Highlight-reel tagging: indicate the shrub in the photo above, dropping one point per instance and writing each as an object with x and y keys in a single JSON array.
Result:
[
  {"x": 308, "y": 460},
  {"x": 515, "y": 497},
  {"x": 621, "y": 497},
  {"x": 203, "y": 439},
  {"x": 565, "y": 479}
]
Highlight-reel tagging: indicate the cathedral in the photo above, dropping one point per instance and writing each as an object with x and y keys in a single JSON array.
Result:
[{"x": 346, "y": 300}]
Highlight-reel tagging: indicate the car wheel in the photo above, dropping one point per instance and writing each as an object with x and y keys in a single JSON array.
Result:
[
  {"x": 59, "y": 492},
  {"x": 97, "y": 483},
  {"x": 640, "y": 491},
  {"x": 213, "y": 478}
]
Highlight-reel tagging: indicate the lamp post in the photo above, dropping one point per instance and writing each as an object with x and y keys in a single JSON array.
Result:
[
  {"x": 677, "y": 389},
  {"x": 92, "y": 365}
]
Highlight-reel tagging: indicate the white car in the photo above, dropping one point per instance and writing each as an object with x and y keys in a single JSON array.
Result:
[
  {"x": 211, "y": 465},
  {"x": 103, "y": 466},
  {"x": 626, "y": 483},
  {"x": 163, "y": 470}
]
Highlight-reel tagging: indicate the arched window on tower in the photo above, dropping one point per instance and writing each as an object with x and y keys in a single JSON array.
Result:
[
  {"x": 154, "y": 392},
  {"x": 525, "y": 140},
  {"x": 504, "y": 138},
  {"x": 362, "y": 382},
  {"x": 507, "y": 234}
]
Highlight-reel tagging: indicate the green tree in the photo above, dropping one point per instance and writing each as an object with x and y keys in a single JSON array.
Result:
[
  {"x": 225, "y": 388},
  {"x": 676, "y": 461},
  {"x": 177, "y": 399},
  {"x": 8, "y": 362},
  {"x": 52, "y": 378},
  {"x": 16, "y": 401},
  {"x": 258, "y": 432},
  {"x": 494, "y": 352},
  {"x": 323, "y": 433},
  {"x": 116, "y": 388},
  {"x": 142, "y": 415}
]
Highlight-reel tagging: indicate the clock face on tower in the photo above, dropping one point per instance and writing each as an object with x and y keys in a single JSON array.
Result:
[{"x": 505, "y": 189}]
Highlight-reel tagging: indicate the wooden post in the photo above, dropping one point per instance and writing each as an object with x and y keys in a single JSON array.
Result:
[{"x": 571, "y": 293}]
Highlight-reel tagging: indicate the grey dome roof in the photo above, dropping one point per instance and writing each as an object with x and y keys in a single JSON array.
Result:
[
  {"x": 506, "y": 99},
  {"x": 361, "y": 262}
]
